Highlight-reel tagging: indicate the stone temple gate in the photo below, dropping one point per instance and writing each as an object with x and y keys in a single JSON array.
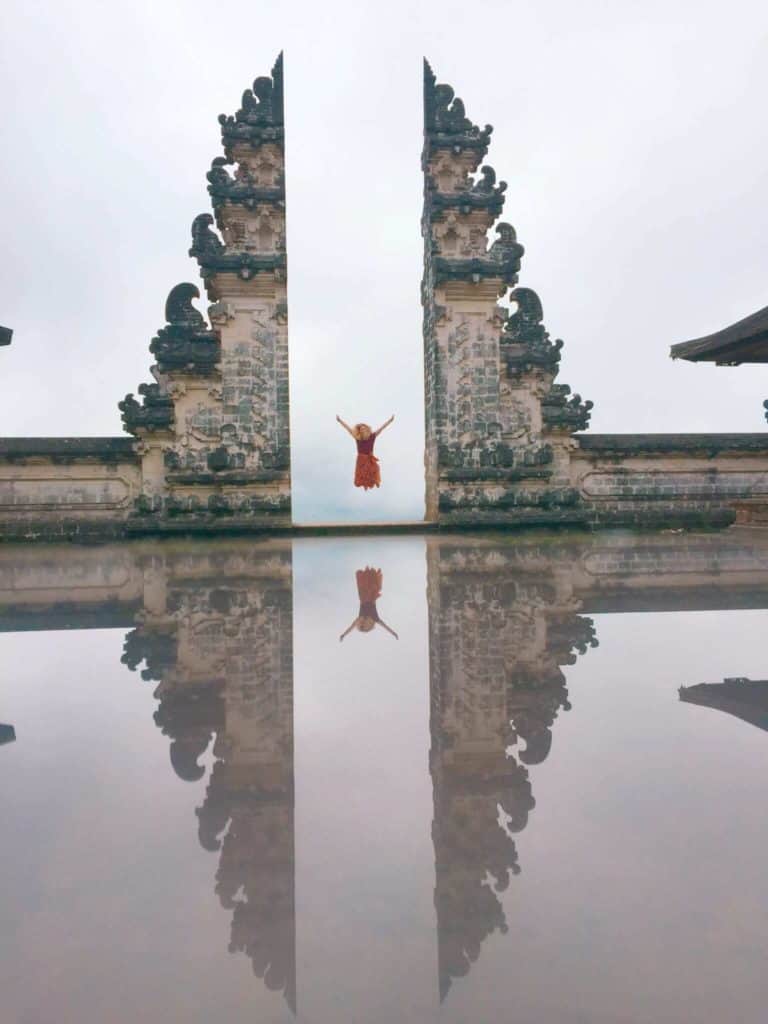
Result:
[{"x": 207, "y": 444}]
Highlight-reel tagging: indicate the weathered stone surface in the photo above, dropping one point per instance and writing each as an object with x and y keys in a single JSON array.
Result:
[
  {"x": 502, "y": 441},
  {"x": 66, "y": 487},
  {"x": 525, "y": 343},
  {"x": 210, "y": 445},
  {"x": 220, "y": 402},
  {"x": 669, "y": 484},
  {"x": 260, "y": 119},
  {"x": 155, "y": 412},
  {"x": 497, "y": 427}
]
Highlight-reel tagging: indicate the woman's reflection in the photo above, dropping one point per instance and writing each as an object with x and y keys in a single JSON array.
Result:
[{"x": 369, "y": 583}]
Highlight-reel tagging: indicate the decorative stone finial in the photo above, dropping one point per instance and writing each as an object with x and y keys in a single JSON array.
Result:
[
  {"x": 155, "y": 412},
  {"x": 241, "y": 189},
  {"x": 559, "y": 412},
  {"x": 205, "y": 241},
  {"x": 484, "y": 194},
  {"x": 525, "y": 341},
  {"x": 446, "y": 124},
  {"x": 179, "y": 310},
  {"x": 186, "y": 343},
  {"x": 507, "y": 250},
  {"x": 214, "y": 257},
  {"x": 261, "y": 115}
]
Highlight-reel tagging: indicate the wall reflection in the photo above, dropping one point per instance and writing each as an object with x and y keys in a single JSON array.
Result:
[
  {"x": 497, "y": 641},
  {"x": 504, "y": 617},
  {"x": 216, "y": 634},
  {"x": 211, "y": 626}
]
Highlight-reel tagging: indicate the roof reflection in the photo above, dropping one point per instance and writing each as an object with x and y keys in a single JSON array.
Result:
[{"x": 746, "y": 699}]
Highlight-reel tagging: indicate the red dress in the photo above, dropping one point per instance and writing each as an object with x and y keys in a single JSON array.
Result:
[
  {"x": 369, "y": 583},
  {"x": 367, "y": 472}
]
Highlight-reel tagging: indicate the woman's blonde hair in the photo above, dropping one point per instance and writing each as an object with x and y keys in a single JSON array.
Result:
[{"x": 359, "y": 428}]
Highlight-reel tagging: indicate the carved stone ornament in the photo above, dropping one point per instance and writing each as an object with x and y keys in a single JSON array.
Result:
[
  {"x": 502, "y": 260},
  {"x": 154, "y": 412},
  {"x": 186, "y": 343},
  {"x": 525, "y": 341},
  {"x": 446, "y": 124},
  {"x": 261, "y": 114},
  {"x": 240, "y": 189},
  {"x": 559, "y": 412}
]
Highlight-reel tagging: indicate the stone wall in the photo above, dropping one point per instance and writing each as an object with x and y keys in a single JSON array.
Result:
[
  {"x": 502, "y": 441},
  {"x": 497, "y": 427},
  {"x": 74, "y": 487},
  {"x": 663, "y": 479},
  {"x": 213, "y": 430},
  {"x": 209, "y": 445}
]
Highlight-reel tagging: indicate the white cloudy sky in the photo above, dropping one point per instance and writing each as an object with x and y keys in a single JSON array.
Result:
[{"x": 631, "y": 135}]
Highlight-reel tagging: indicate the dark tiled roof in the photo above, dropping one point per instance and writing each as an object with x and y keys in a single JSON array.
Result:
[{"x": 742, "y": 342}]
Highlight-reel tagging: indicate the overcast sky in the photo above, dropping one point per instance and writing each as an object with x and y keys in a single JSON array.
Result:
[{"x": 631, "y": 135}]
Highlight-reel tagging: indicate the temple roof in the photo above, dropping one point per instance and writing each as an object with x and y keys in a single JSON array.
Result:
[{"x": 743, "y": 342}]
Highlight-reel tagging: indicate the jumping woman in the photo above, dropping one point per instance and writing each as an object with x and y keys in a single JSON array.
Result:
[{"x": 367, "y": 472}]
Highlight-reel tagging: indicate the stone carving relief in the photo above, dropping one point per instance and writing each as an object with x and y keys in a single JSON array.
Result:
[{"x": 493, "y": 410}]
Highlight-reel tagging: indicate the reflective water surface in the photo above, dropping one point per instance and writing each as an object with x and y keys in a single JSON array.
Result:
[{"x": 457, "y": 779}]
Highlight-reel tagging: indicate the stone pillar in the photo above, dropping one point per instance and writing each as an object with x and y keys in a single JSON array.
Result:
[
  {"x": 214, "y": 427},
  {"x": 497, "y": 428}
]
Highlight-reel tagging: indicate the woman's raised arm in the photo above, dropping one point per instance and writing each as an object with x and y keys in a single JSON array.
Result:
[
  {"x": 385, "y": 425},
  {"x": 346, "y": 426}
]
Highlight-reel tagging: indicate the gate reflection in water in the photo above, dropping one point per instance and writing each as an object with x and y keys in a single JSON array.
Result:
[{"x": 441, "y": 826}]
